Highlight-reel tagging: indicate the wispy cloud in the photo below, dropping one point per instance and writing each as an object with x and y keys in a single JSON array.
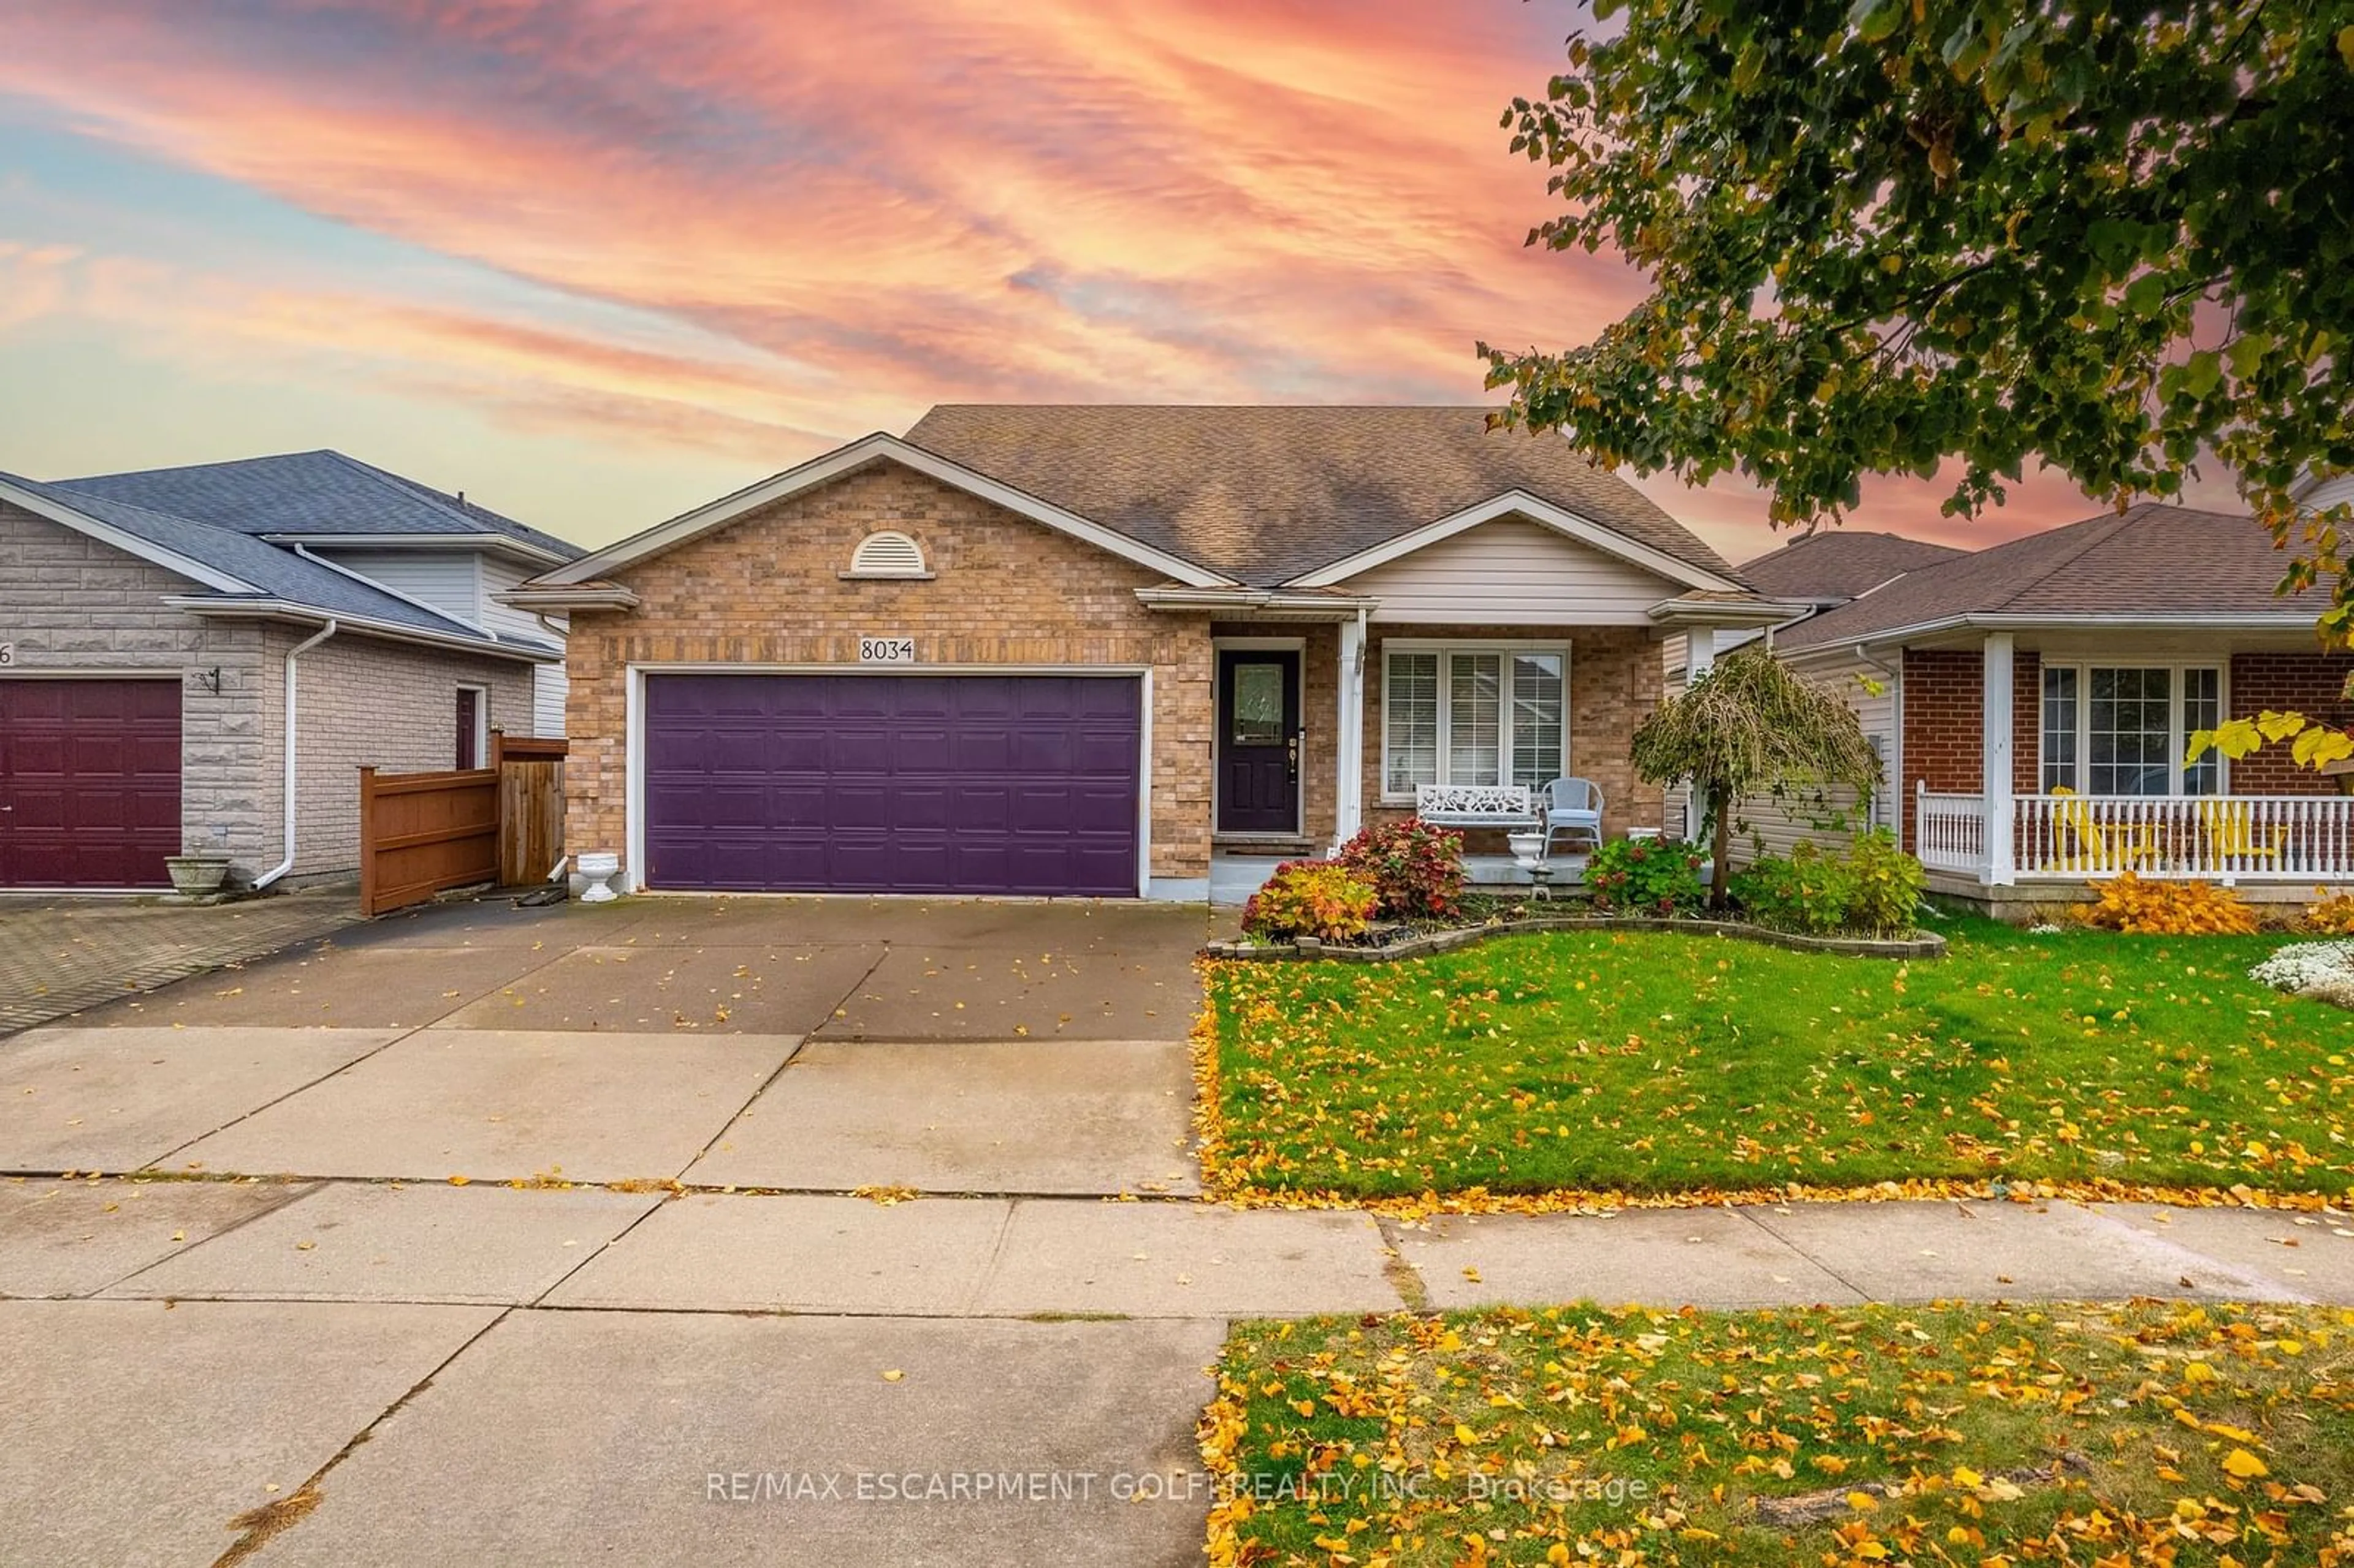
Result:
[{"x": 840, "y": 215}]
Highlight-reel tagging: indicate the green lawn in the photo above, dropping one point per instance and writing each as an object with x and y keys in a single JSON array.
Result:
[
  {"x": 1650, "y": 1064},
  {"x": 2199, "y": 1437}
]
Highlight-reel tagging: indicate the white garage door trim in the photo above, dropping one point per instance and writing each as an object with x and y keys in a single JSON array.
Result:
[{"x": 633, "y": 856}]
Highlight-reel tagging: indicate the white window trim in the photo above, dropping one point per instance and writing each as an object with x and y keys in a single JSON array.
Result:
[
  {"x": 1443, "y": 647},
  {"x": 482, "y": 721},
  {"x": 2177, "y": 741}
]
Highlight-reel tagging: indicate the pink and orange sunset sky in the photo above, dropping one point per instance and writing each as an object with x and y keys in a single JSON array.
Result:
[{"x": 594, "y": 261}]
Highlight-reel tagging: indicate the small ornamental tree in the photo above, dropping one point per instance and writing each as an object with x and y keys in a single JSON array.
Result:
[{"x": 1750, "y": 727}]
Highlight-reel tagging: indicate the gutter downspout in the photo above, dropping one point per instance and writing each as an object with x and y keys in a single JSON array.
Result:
[{"x": 284, "y": 867}]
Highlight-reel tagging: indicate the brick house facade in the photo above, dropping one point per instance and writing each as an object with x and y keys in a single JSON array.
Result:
[{"x": 725, "y": 681}]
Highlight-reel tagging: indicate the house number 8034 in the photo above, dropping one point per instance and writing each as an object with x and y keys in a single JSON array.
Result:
[{"x": 886, "y": 649}]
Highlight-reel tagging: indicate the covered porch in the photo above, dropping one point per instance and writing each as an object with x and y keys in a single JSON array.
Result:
[{"x": 2082, "y": 771}]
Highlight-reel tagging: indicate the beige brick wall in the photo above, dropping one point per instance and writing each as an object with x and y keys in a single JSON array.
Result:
[
  {"x": 767, "y": 590},
  {"x": 1614, "y": 680},
  {"x": 363, "y": 702}
]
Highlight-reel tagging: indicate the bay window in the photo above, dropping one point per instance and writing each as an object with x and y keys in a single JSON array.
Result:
[
  {"x": 2121, "y": 729},
  {"x": 1475, "y": 713}
]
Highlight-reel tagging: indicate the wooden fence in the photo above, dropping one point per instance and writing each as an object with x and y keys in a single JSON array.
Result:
[{"x": 422, "y": 833}]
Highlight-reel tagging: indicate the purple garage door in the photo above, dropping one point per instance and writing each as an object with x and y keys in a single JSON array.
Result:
[{"x": 878, "y": 783}]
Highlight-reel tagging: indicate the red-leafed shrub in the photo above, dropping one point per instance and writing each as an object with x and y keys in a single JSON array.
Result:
[{"x": 1416, "y": 869}]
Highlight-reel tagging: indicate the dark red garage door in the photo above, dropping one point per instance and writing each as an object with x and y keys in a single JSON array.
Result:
[
  {"x": 90, "y": 782},
  {"x": 889, "y": 783}
]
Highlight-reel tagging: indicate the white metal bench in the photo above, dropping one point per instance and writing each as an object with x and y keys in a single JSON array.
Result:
[{"x": 1476, "y": 805}]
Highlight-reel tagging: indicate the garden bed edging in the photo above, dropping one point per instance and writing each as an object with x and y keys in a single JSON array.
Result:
[{"x": 1919, "y": 944}]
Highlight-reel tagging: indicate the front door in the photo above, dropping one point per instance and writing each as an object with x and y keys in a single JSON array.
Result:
[{"x": 1258, "y": 741}]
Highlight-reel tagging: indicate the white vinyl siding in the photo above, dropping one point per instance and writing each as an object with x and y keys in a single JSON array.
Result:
[
  {"x": 2331, "y": 491},
  {"x": 1780, "y": 827},
  {"x": 549, "y": 683},
  {"x": 1513, "y": 572},
  {"x": 449, "y": 580},
  {"x": 1474, "y": 713}
]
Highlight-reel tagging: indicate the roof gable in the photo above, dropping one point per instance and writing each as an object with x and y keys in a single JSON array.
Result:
[
  {"x": 847, "y": 459},
  {"x": 1269, "y": 495},
  {"x": 237, "y": 571},
  {"x": 1565, "y": 524}
]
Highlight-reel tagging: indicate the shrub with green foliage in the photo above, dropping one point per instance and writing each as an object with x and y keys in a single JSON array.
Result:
[
  {"x": 1317, "y": 898},
  {"x": 1884, "y": 885},
  {"x": 1872, "y": 890},
  {"x": 1414, "y": 868},
  {"x": 1645, "y": 876},
  {"x": 1805, "y": 890}
]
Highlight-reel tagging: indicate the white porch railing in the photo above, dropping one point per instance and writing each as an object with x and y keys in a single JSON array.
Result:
[
  {"x": 1950, "y": 830},
  {"x": 2228, "y": 838}
]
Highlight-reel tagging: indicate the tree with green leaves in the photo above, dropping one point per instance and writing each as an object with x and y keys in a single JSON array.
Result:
[
  {"x": 1958, "y": 236},
  {"x": 1751, "y": 727}
]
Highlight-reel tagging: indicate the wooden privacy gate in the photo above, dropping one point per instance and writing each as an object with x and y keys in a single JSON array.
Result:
[{"x": 421, "y": 834}]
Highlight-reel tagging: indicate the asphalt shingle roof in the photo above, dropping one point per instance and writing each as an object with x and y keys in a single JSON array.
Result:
[
  {"x": 2151, "y": 560},
  {"x": 308, "y": 493},
  {"x": 269, "y": 570},
  {"x": 1267, "y": 494},
  {"x": 1837, "y": 563}
]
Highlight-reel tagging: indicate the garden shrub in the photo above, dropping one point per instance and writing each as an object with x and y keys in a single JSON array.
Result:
[
  {"x": 1645, "y": 876},
  {"x": 1416, "y": 870},
  {"x": 2127, "y": 903},
  {"x": 2330, "y": 913},
  {"x": 1873, "y": 889},
  {"x": 1884, "y": 885},
  {"x": 1805, "y": 890},
  {"x": 1316, "y": 898}
]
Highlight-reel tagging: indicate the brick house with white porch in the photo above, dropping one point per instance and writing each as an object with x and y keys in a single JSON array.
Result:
[{"x": 2033, "y": 700}]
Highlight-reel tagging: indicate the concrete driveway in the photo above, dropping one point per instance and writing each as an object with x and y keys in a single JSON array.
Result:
[{"x": 798, "y": 1044}]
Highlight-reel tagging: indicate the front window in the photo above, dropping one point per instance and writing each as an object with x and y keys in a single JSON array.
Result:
[
  {"x": 2120, "y": 729},
  {"x": 1473, "y": 715}
]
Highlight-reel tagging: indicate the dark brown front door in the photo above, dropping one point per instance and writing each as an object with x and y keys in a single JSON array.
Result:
[{"x": 1258, "y": 741}]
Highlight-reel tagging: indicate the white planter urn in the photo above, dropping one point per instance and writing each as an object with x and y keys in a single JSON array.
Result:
[
  {"x": 597, "y": 870},
  {"x": 1527, "y": 848}
]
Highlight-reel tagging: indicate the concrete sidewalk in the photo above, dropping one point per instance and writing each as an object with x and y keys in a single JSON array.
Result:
[
  {"x": 335, "y": 1371},
  {"x": 432, "y": 1243}
]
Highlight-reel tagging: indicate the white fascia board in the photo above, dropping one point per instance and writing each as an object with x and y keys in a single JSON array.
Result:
[
  {"x": 488, "y": 544},
  {"x": 1336, "y": 607},
  {"x": 608, "y": 597},
  {"x": 128, "y": 544},
  {"x": 1519, "y": 503},
  {"x": 1758, "y": 612},
  {"x": 2238, "y": 621},
  {"x": 832, "y": 465},
  {"x": 391, "y": 630}
]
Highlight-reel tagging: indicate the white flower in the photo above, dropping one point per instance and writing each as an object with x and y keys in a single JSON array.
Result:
[
  {"x": 2044, "y": 928},
  {"x": 2302, "y": 966}
]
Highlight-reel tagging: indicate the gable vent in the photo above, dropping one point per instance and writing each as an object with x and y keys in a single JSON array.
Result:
[{"x": 887, "y": 553}]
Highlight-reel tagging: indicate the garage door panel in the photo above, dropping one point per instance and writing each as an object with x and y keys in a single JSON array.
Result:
[
  {"x": 896, "y": 783},
  {"x": 91, "y": 771}
]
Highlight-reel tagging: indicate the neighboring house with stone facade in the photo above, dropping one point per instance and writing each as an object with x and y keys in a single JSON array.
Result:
[
  {"x": 2032, "y": 700},
  {"x": 1105, "y": 650},
  {"x": 154, "y": 627}
]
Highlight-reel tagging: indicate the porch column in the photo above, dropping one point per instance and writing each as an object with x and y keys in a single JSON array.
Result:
[
  {"x": 1995, "y": 748},
  {"x": 1348, "y": 736},
  {"x": 1700, "y": 658}
]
